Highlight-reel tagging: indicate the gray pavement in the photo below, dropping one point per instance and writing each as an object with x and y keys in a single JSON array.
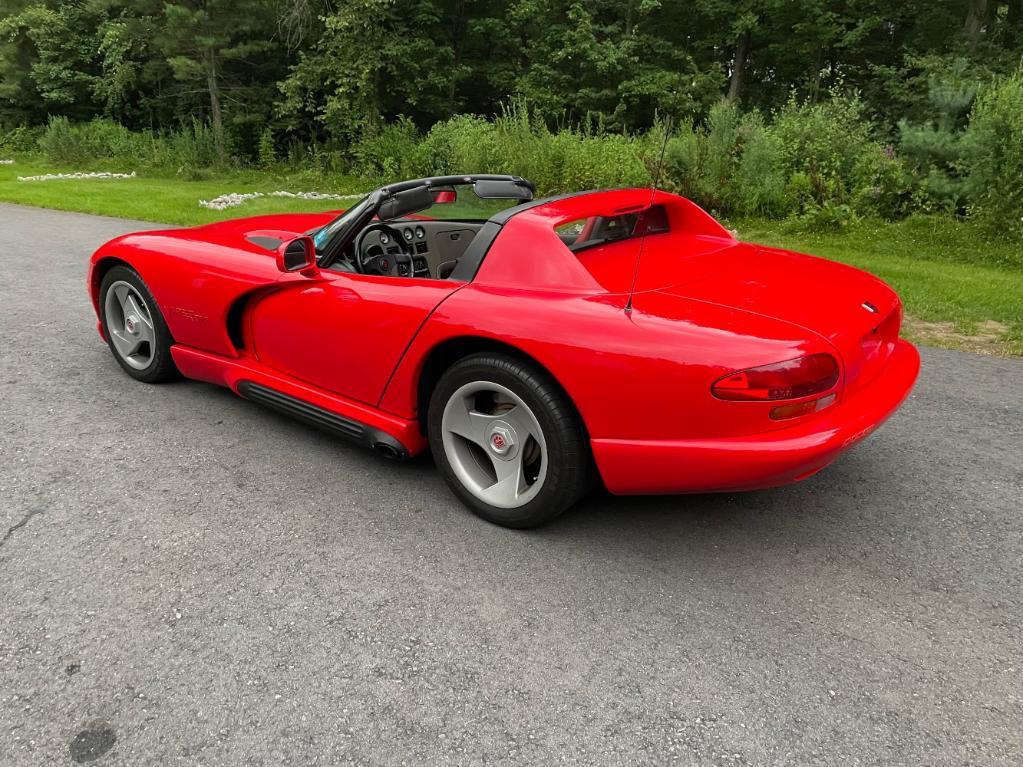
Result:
[{"x": 188, "y": 579}]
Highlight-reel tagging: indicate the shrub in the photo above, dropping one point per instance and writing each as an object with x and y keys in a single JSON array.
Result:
[
  {"x": 829, "y": 217},
  {"x": 882, "y": 184},
  {"x": 20, "y": 139},
  {"x": 387, "y": 154},
  {"x": 683, "y": 160},
  {"x": 824, "y": 141},
  {"x": 515, "y": 143},
  {"x": 995, "y": 150},
  {"x": 758, "y": 185},
  {"x": 934, "y": 150},
  {"x": 266, "y": 150},
  {"x": 65, "y": 143}
]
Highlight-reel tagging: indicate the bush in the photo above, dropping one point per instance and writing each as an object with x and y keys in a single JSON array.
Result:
[
  {"x": 825, "y": 141},
  {"x": 934, "y": 149},
  {"x": 995, "y": 151},
  {"x": 20, "y": 140},
  {"x": 387, "y": 155},
  {"x": 815, "y": 162},
  {"x": 266, "y": 151},
  {"x": 758, "y": 187},
  {"x": 80, "y": 144},
  {"x": 515, "y": 143}
]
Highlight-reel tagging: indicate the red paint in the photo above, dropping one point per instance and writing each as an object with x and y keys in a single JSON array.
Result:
[{"x": 706, "y": 306}]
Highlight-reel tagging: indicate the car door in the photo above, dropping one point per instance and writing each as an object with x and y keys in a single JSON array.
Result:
[{"x": 341, "y": 331}]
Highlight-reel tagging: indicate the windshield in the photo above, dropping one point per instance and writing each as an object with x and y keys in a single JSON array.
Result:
[
  {"x": 465, "y": 199},
  {"x": 465, "y": 206},
  {"x": 323, "y": 235}
]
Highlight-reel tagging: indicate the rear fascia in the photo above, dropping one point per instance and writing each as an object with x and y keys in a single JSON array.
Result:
[{"x": 758, "y": 461}]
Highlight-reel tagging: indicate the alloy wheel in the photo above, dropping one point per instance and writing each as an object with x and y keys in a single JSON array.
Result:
[
  {"x": 494, "y": 444},
  {"x": 130, "y": 325}
]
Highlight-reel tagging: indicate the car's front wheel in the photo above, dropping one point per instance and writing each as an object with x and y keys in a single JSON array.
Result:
[
  {"x": 134, "y": 327},
  {"x": 507, "y": 440}
]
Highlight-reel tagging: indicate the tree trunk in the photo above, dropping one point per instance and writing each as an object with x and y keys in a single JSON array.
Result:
[
  {"x": 216, "y": 118},
  {"x": 976, "y": 15},
  {"x": 735, "y": 83},
  {"x": 815, "y": 80}
]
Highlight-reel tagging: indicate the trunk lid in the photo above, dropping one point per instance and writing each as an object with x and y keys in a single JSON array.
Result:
[{"x": 854, "y": 311}]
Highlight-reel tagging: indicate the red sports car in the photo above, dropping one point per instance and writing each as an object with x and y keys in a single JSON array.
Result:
[{"x": 532, "y": 345}]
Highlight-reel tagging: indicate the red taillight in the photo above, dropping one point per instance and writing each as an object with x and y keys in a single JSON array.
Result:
[{"x": 791, "y": 379}]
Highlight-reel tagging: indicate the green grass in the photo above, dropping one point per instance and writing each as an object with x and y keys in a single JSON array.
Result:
[
  {"x": 168, "y": 199},
  {"x": 950, "y": 299},
  {"x": 960, "y": 289}
]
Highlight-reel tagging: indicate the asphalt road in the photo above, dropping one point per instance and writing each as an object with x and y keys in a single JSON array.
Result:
[{"x": 188, "y": 579}]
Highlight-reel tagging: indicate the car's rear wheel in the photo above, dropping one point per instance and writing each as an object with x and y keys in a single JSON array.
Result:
[
  {"x": 134, "y": 327},
  {"x": 507, "y": 440}
]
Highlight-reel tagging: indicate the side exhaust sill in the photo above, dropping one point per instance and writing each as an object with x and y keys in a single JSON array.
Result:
[{"x": 323, "y": 419}]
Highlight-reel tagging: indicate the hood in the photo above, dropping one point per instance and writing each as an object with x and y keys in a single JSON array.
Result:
[
  {"x": 858, "y": 314},
  {"x": 264, "y": 232}
]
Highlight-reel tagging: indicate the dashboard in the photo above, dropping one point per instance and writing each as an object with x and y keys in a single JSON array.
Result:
[{"x": 434, "y": 245}]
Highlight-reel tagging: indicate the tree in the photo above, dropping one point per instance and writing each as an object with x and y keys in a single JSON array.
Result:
[{"x": 207, "y": 42}]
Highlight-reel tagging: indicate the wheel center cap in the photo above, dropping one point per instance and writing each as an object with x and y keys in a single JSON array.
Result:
[
  {"x": 501, "y": 438},
  {"x": 131, "y": 324}
]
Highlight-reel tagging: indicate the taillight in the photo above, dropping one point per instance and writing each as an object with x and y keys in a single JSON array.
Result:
[{"x": 791, "y": 379}]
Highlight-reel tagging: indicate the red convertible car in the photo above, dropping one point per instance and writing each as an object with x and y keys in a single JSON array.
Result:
[{"x": 535, "y": 346}]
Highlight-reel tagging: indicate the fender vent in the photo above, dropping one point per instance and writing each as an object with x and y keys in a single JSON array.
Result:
[{"x": 263, "y": 241}]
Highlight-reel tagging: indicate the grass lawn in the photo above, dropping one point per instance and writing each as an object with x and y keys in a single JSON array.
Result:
[
  {"x": 168, "y": 200},
  {"x": 951, "y": 301},
  {"x": 960, "y": 291}
]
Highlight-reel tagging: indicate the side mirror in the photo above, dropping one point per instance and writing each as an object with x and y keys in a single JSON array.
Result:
[{"x": 297, "y": 255}]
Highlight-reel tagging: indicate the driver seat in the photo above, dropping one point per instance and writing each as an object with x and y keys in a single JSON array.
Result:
[{"x": 445, "y": 268}]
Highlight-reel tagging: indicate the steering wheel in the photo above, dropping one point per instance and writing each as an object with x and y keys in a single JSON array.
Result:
[{"x": 384, "y": 263}]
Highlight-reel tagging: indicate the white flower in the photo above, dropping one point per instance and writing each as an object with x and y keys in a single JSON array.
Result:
[
  {"x": 233, "y": 199},
  {"x": 76, "y": 175}
]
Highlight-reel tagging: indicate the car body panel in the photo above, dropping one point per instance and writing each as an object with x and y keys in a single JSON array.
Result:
[
  {"x": 757, "y": 461},
  {"x": 635, "y": 331},
  {"x": 343, "y": 332}
]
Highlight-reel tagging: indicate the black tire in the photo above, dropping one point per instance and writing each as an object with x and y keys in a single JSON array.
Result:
[
  {"x": 161, "y": 367},
  {"x": 568, "y": 474}
]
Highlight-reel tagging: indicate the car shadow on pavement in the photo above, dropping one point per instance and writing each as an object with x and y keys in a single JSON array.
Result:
[{"x": 824, "y": 509}]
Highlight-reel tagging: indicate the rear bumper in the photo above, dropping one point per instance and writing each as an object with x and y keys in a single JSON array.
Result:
[{"x": 758, "y": 461}]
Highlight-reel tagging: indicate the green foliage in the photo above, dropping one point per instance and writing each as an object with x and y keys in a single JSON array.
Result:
[
  {"x": 19, "y": 140},
  {"x": 515, "y": 142},
  {"x": 759, "y": 186},
  {"x": 934, "y": 149},
  {"x": 995, "y": 149},
  {"x": 105, "y": 142},
  {"x": 266, "y": 152},
  {"x": 782, "y": 108}
]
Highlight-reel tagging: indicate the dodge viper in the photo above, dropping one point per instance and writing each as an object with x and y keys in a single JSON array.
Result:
[{"x": 535, "y": 347}]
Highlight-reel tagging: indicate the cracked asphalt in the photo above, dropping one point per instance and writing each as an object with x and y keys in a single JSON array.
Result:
[{"x": 188, "y": 579}]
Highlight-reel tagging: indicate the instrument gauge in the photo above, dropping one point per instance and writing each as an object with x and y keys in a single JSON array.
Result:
[
  {"x": 420, "y": 232},
  {"x": 408, "y": 234}
]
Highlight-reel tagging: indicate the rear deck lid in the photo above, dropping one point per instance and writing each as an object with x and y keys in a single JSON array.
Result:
[{"x": 855, "y": 311}]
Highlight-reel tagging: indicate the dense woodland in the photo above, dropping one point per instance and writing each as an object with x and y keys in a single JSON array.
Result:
[{"x": 882, "y": 107}]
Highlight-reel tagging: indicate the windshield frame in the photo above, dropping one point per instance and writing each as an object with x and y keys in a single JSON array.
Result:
[{"x": 343, "y": 230}]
